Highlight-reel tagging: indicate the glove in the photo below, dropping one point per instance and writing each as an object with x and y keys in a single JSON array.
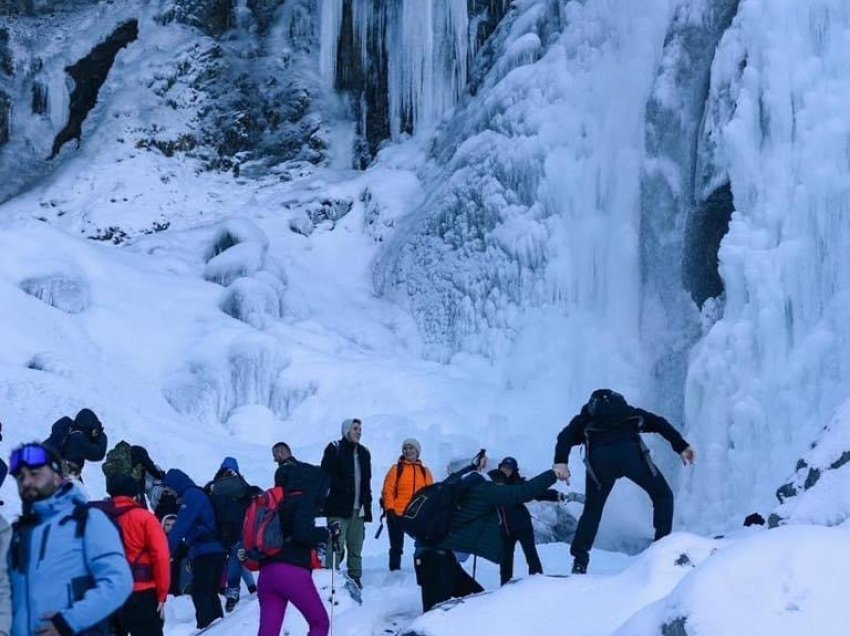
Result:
[
  {"x": 335, "y": 530},
  {"x": 241, "y": 554}
]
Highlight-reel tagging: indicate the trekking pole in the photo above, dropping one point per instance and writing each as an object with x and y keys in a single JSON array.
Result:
[
  {"x": 474, "y": 566},
  {"x": 333, "y": 589}
]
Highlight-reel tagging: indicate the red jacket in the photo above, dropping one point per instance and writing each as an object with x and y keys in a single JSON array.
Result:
[{"x": 146, "y": 547}]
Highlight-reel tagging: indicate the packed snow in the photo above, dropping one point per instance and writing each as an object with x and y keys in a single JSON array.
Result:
[{"x": 533, "y": 239}]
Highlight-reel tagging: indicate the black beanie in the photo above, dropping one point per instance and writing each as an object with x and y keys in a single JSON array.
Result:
[
  {"x": 86, "y": 420},
  {"x": 122, "y": 485}
]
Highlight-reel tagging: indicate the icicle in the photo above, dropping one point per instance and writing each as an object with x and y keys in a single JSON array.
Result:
[
  {"x": 331, "y": 23},
  {"x": 427, "y": 49}
]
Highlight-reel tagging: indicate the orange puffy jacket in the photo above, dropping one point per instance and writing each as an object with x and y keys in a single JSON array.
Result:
[
  {"x": 146, "y": 547},
  {"x": 402, "y": 482}
]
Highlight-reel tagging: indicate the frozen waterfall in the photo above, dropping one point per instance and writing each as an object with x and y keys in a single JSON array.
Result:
[{"x": 425, "y": 47}]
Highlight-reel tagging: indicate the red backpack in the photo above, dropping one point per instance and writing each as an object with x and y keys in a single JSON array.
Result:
[{"x": 262, "y": 533}]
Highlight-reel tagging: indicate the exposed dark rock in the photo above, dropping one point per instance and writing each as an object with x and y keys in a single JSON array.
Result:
[
  {"x": 368, "y": 86},
  {"x": 706, "y": 227},
  {"x": 838, "y": 463},
  {"x": 786, "y": 491},
  {"x": 5, "y": 118},
  {"x": 675, "y": 627},
  {"x": 213, "y": 17},
  {"x": 812, "y": 478},
  {"x": 39, "y": 98},
  {"x": 264, "y": 11},
  {"x": 7, "y": 66},
  {"x": 485, "y": 16},
  {"x": 89, "y": 74},
  {"x": 684, "y": 560}
]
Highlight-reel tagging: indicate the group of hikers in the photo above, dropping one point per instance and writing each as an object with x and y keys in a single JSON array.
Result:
[{"x": 77, "y": 566}]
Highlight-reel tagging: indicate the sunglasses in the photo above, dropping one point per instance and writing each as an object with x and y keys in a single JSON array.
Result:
[{"x": 31, "y": 456}]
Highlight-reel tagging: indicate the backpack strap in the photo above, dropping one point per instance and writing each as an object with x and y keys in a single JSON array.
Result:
[{"x": 399, "y": 469}]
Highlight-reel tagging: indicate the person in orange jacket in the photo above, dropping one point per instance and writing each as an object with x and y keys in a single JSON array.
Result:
[
  {"x": 402, "y": 482},
  {"x": 146, "y": 547}
]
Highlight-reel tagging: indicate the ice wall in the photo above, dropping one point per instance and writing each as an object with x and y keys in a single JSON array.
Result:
[
  {"x": 407, "y": 56},
  {"x": 672, "y": 292},
  {"x": 768, "y": 374},
  {"x": 537, "y": 206}
]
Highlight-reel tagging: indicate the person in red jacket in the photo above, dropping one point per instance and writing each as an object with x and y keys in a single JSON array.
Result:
[{"x": 146, "y": 547}]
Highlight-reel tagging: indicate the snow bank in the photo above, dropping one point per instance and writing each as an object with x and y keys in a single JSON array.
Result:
[{"x": 783, "y": 581}]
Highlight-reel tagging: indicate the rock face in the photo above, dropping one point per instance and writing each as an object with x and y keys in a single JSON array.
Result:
[
  {"x": 237, "y": 95},
  {"x": 88, "y": 74}
]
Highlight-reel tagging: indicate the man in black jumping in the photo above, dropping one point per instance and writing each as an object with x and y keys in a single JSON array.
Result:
[{"x": 610, "y": 429}]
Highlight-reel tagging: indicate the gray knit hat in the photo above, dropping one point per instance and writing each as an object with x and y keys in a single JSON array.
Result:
[{"x": 412, "y": 442}]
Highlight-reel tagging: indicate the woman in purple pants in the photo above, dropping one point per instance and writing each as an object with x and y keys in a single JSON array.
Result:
[{"x": 288, "y": 577}]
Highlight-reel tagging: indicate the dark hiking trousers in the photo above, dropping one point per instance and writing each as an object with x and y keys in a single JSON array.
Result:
[
  {"x": 441, "y": 577},
  {"x": 610, "y": 462},
  {"x": 206, "y": 572},
  {"x": 526, "y": 542},
  {"x": 396, "y": 535},
  {"x": 138, "y": 617}
]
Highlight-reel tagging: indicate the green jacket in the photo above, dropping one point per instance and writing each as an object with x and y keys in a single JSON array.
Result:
[{"x": 475, "y": 524}]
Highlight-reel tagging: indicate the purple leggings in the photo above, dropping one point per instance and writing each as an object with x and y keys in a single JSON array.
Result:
[{"x": 281, "y": 583}]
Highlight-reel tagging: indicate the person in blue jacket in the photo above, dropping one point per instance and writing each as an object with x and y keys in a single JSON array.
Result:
[
  {"x": 196, "y": 526},
  {"x": 66, "y": 562}
]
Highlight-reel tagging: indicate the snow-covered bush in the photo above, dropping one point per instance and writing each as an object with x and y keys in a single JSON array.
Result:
[
  {"x": 242, "y": 371},
  {"x": 254, "y": 300},
  {"x": 233, "y": 232},
  {"x": 66, "y": 291},
  {"x": 237, "y": 261}
]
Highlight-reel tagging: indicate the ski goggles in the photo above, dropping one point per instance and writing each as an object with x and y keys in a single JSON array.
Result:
[{"x": 32, "y": 456}]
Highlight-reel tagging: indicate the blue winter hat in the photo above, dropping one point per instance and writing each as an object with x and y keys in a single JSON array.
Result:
[
  {"x": 511, "y": 463},
  {"x": 230, "y": 463}
]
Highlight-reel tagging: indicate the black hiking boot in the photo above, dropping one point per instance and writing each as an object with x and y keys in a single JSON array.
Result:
[
  {"x": 252, "y": 589},
  {"x": 579, "y": 567},
  {"x": 230, "y": 604}
]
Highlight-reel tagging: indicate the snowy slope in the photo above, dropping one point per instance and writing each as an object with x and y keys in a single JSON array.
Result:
[{"x": 474, "y": 284}]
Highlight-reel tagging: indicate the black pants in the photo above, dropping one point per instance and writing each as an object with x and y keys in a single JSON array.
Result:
[
  {"x": 526, "y": 542},
  {"x": 610, "y": 462},
  {"x": 441, "y": 577},
  {"x": 138, "y": 617},
  {"x": 396, "y": 535},
  {"x": 206, "y": 573}
]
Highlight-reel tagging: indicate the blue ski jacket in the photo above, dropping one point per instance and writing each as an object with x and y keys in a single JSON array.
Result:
[
  {"x": 195, "y": 522},
  {"x": 58, "y": 566}
]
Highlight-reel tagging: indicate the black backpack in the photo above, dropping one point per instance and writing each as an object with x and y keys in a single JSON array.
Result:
[
  {"x": 230, "y": 497},
  {"x": 609, "y": 411},
  {"x": 427, "y": 517},
  {"x": 141, "y": 573}
]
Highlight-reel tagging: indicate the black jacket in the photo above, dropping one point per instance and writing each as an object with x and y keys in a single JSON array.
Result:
[
  {"x": 80, "y": 439},
  {"x": 306, "y": 487},
  {"x": 574, "y": 433},
  {"x": 474, "y": 525},
  {"x": 516, "y": 518},
  {"x": 338, "y": 463},
  {"x": 299, "y": 528}
]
